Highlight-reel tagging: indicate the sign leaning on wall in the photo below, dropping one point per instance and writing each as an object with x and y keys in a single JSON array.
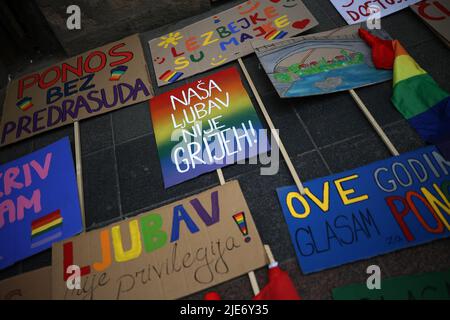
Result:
[
  {"x": 205, "y": 125},
  {"x": 39, "y": 202},
  {"x": 34, "y": 285},
  {"x": 379, "y": 208},
  {"x": 95, "y": 82},
  {"x": 226, "y": 36},
  {"x": 167, "y": 253},
  {"x": 432, "y": 285}
]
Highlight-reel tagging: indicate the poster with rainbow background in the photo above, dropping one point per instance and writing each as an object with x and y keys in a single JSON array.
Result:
[{"x": 205, "y": 125}]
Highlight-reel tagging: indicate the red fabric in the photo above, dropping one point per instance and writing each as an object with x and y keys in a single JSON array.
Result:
[
  {"x": 280, "y": 287},
  {"x": 212, "y": 296},
  {"x": 382, "y": 50}
]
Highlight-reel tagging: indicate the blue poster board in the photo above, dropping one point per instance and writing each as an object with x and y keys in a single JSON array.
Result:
[
  {"x": 382, "y": 207},
  {"x": 39, "y": 202}
]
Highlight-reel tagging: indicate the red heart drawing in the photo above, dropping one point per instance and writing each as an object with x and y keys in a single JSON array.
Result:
[
  {"x": 301, "y": 24},
  {"x": 275, "y": 1}
]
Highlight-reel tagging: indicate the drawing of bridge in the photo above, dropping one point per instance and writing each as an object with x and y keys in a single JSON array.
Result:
[{"x": 272, "y": 55}]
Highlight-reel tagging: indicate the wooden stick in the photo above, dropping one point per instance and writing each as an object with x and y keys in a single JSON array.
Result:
[
  {"x": 79, "y": 170},
  {"x": 374, "y": 123},
  {"x": 269, "y": 254},
  {"x": 251, "y": 274},
  {"x": 274, "y": 132},
  {"x": 253, "y": 282},
  {"x": 220, "y": 175}
]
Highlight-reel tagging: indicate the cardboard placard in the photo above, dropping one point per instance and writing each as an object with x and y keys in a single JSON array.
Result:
[
  {"x": 356, "y": 11},
  {"x": 93, "y": 83},
  {"x": 436, "y": 14},
  {"x": 205, "y": 125},
  {"x": 225, "y": 37},
  {"x": 426, "y": 286},
  {"x": 326, "y": 62},
  {"x": 34, "y": 285},
  {"x": 166, "y": 253},
  {"x": 379, "y": 208},
  {"x": 39, "y": 202}
]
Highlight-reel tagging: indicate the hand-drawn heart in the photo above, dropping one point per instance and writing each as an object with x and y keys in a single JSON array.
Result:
[
  {"x": 301, "y": 24},
  {"x": 275, "y": 1}
]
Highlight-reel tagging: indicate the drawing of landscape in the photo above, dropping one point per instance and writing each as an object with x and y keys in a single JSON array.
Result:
[{"x": 318, "y": 65}]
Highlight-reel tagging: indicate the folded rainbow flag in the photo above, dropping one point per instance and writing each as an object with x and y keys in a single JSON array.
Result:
[
  {"x": 416, "y": 95},
  {"x": 420, "y": 99}
]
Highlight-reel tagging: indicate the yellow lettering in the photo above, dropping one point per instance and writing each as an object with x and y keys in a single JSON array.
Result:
[
  {"x": 208, "y": 35},
  {"x": 436, "y": 204},
  {"x": 182, "y": 63},
  {"x": 136, "y": 247},
  {"x": 290, "y": 198},
  {"x": 281, "y": 22},
  {"x": 325, "y": 203},
  {"x": 345, "y": 193}
]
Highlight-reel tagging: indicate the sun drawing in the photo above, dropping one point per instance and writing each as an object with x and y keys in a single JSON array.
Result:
[{"x": 172, "y": 38}]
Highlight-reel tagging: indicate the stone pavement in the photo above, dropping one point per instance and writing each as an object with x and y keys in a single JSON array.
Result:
[{"x": 323, "y": 134}]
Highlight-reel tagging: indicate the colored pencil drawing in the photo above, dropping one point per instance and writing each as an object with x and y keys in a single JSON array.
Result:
[
  {"x": 297, "y": 70},
  {"x": 319, "y": 64}
]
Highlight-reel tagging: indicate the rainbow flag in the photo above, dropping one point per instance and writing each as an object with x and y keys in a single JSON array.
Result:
[
  {"x": 118, "y": 72},
  {"x": 45, "y": 224},
  {"x": 420, "y": 99},
  {"x": 239, "y": 218},
  {"x": 170, "y": 76},
  {"x": 275, "y": 34},
  {"x": 24, "y": 104}
]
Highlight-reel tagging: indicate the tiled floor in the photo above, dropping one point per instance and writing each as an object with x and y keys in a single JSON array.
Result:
[{"x": 323, "y": 135}]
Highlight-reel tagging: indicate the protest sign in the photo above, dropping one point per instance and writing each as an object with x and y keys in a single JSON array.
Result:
[
  {"x": 433, "y": 286},
  {"x": 205, "y": 125},
  {"x": 226, "y": 36},
  {"x": 39, "y": 202},
  {"x": 166, "y": 253},
  {"x": 356, "y": 11},
  {"x": 436, "y": 14},
  {"x": 34, "y": 285},
  {"x": 382, "y": 207},
  {"x": 326, "y": 62},
  {"x": 98, "y": 81}
]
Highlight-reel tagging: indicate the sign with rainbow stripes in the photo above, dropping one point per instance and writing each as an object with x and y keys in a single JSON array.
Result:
[
  {"x": 38, "y": 202},
  {"x": 89, "y": 84},
  {"x": 205, "y": 125},
  {"x": 166, "y": 253},
  {"x": 226, "y": 36}
]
